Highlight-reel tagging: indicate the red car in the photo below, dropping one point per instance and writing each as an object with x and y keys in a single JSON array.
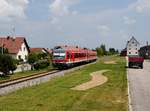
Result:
[
  {"x": 135, "y": 61},
  {"x": 67, "y": 56}
]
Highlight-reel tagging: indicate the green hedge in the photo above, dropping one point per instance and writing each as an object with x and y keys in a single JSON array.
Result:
[{"x": 41, "y": 64}]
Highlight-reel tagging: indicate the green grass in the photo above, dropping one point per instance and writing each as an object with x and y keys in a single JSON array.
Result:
[
  {"x": 56, "y": 94},
  {"x": 23, "y": 74}
]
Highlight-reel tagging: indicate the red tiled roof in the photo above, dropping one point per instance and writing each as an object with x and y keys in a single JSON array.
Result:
[
  {"x": 36, "y": 50},
  {"x": 12, "y": 44},
  {"x": 39, "y": 50},
  {"x": 49, "y": 50}
]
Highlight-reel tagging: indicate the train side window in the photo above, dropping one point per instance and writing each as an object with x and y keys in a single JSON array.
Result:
[{"x": 76, "y": 55}]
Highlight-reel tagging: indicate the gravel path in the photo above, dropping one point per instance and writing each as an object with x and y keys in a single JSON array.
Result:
[
  {"x": 97, "y": 79},
  {"x": 110, "y": 62},
  {"x": 139, "y": 87}
]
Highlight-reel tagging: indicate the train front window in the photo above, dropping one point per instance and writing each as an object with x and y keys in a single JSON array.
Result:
[{"x": 59, "y": 55}]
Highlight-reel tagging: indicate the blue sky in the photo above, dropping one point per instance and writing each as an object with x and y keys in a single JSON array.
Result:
[{"x": 88, "y": 23}]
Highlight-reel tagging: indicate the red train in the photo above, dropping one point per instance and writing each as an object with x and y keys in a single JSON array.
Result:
[{"x": 68, "y": 56}]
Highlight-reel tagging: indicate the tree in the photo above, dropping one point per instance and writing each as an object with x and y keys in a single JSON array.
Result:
[
  {"x": 42, "y": 55},
  {"x": 112, "y": 51},
  {"x": 7, "y": 64},
  {"x": 3, "y": 50},
  {"x": 99, "y": 51},
  {"x": 32, "y": 58},
  {"x": 104, "y": 49}
]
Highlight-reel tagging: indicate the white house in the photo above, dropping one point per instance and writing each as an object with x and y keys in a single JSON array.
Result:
[
  {"x": 17, "y": 47},
  {"x": 133, "y": 47}
]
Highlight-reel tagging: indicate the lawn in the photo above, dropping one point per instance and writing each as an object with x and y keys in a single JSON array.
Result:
[
  {"x": 25, "y": 73},
  {"x": 56, "y": 94}
]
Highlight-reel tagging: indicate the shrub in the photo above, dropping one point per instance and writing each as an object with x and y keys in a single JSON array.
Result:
[
  {"x": 41, "y": 64},
  {"x": 32, "y": 58},
  {"x": 7, "y": 64}
]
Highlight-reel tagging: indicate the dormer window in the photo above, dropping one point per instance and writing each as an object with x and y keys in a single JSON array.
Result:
[{"x": 133, "y": 42}]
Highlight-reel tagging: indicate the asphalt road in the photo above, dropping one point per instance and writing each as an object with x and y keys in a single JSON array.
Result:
[{"x": 139, "y": 87}]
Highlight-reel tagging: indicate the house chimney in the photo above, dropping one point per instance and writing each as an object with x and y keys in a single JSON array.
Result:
[{"x": 8, "y": 37}]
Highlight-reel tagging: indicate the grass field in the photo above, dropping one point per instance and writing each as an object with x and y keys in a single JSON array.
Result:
[
  {"x": 56, "y": 94},
  {"x": 23, "y": 74}
]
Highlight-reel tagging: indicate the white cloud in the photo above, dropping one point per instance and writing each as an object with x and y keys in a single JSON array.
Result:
[
  {"x": 54, "y": 20},
  {"x": 12, "y": 8},
  {"x": 128, "y": 20},
  {"x": 141, "y": 6},
  {"x": 104, "y": 30},
  {"x": 62, "y": 7}
]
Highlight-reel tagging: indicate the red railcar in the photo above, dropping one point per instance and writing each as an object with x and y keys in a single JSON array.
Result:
[{"x": 67, "y": 56}]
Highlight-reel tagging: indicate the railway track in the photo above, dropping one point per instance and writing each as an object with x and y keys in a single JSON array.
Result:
[
  {"x": 27, "y": 81},
  {"x": 26, "y": 78}
]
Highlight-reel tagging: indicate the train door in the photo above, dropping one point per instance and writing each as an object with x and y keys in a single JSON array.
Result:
[
  {"x": 68, "y": 57},
  {"x": 73, "y": 57}
]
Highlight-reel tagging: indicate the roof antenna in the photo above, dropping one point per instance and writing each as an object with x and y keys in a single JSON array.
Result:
[
  {"x": 147, "y": 43},
  {"x": 13, "y": 32}
]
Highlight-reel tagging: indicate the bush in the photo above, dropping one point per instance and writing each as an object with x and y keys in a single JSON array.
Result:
[
  {"x": 41, "y": 64},
  {"x": 32, "y": 58},
  {"x": 7, "y": 64}
]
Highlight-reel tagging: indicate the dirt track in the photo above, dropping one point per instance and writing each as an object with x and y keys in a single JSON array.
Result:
[
  {"x": 97, "y": 79},
  {"x": 110, "y": 62}
]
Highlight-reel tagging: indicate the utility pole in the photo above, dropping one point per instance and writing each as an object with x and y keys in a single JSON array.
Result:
[{"x": 147, "y": 48}]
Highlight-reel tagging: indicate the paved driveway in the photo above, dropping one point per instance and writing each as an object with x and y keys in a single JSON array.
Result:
[{"x": 139, "y": 85}]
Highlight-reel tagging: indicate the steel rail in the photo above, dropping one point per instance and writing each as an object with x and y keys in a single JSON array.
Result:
[{"x": 26, "y": 78}]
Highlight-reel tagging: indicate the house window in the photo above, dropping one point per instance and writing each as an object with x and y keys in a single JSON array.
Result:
[
  {"x": 135, "y": 52},
  {"x": 19, "y": 57},
  {"x": 135, "y": 48},
  {"x": 129, "y": 52},
  {"x": 24, "y": 48},
  {"x": 26, "y": 57},
  {"x": 133, "y": 42},
  {"x": 129, "y": 48}
]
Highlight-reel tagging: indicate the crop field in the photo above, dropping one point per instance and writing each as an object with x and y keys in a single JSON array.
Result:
[{"x": 57, "y": 95}]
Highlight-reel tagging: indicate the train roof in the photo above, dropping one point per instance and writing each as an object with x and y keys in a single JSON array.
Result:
[{"x": 73, "y": 48}]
